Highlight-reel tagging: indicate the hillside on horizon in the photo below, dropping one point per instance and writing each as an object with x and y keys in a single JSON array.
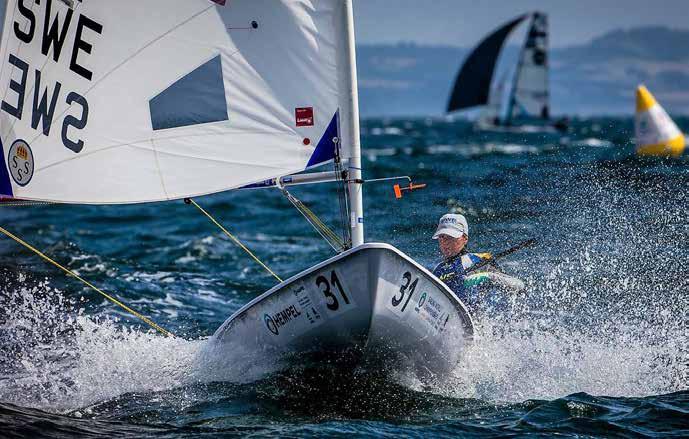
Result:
[{"x": 595, "y": 78}]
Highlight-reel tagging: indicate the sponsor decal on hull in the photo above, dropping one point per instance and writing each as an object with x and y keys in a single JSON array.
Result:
[{"x": 281, "y": 318}]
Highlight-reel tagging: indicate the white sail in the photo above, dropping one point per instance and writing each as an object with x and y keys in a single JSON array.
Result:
[
  {"x": 135, "y": 101},
  {"x": 530, "y": 93},
  {"x": 492, "y": 113}
]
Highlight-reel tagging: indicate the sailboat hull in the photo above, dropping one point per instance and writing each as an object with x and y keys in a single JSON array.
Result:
[
  {"x": 371, "y": 306},
  {"x": 534, "y": 126}
]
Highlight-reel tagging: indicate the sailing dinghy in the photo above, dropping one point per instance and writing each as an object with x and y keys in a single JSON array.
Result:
[
  {"x": 160, "y": 100},
  {"x": 526, "y": 107}
]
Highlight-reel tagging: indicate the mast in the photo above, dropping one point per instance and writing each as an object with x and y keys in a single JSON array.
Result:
[{"x": 355, "y": 187}]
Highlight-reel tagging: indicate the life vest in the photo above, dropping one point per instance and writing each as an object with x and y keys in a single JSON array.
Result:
[{"x": 452, "y": 272}]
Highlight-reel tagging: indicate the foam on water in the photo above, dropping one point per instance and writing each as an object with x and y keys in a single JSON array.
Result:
[
  {"x": 564, "y": 338},
  {"x": 559, "y": 341},
  {"x": 57, "y": 358},
  {"x": 532, "y": 359}
]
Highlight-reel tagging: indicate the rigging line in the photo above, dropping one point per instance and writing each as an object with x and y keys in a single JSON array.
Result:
[
  {"x": 145, "y": 319},
  {"x": 341, "y": 188},
  {"x": 312, "y": 217},
  {"x": 321, "y": 231},
  {"x": 343, "y": 201},
  {"x": 344, "y": 210},
  {"x": 326, "y": 233},
  {"x": 317, "y": 224},
  {"x": 232, "y": 237}
]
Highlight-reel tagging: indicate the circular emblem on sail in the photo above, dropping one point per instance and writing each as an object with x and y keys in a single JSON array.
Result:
[
  {"x": 270, "y": 324},
  {"x": 21, "y": 163}
]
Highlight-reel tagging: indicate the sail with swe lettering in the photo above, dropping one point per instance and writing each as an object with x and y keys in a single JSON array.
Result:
[
  {"x": 530, "y": 93},
  {"x": 656, "y": 133},
  {"x": 472, "y": 86},
  {"x": 164, "y": 99}
]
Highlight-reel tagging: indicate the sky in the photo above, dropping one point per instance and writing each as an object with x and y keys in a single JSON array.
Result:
[{"x": 465, "y": 22}]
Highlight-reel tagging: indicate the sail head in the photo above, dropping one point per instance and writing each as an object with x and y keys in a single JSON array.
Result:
[{"x": 166, "y": 99}]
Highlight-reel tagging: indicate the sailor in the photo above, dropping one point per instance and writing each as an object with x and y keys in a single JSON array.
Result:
[{"x": 452, "y": 235}]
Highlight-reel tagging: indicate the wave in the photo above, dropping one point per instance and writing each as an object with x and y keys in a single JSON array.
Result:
[{"x": 55, "y": 357}]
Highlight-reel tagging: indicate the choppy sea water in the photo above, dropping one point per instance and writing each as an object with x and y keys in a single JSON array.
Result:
[{"x": 598, "y": 346}]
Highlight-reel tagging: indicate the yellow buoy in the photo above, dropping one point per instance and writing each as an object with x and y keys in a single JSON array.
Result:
[{"x": 656, "y": 133}]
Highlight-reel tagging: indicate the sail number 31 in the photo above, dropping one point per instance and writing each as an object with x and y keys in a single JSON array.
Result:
[
  {"x": 326, "y": 287},
  {"x": 406, "y": 289}
]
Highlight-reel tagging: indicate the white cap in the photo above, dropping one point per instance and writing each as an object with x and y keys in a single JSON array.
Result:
[{"x": 453, "y": 225}]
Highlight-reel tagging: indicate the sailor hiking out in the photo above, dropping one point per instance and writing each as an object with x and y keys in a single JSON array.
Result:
[{"x": 453, "y": 235}]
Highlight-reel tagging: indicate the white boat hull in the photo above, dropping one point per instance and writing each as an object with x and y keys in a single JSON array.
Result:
[
  {"x": 371, "y": 306},
  {"x": 516, "y": 129}
]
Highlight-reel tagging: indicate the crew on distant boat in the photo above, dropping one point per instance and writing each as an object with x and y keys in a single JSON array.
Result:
[{"x": 453, "y": 235}]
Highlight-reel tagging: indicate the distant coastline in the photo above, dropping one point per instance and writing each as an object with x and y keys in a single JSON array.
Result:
[{"x": 595, "y": 78}]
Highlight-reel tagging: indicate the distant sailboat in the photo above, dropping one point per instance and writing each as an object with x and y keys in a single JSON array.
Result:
[
  {"x": 157, "y": 100},
  {"x": 656, "y": 133},
  {"x": 527, "y": 107}
]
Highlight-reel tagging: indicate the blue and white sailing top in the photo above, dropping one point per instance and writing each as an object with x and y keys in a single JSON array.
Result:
[{"x": 452, "y": 272}]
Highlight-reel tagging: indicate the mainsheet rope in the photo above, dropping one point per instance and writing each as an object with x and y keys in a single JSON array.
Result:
[
  {"x": 143, "y": 318},
  {"x": 232, "y": 237}
]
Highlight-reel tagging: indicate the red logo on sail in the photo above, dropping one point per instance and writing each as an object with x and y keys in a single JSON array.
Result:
[{"x": 304, "y": 116}]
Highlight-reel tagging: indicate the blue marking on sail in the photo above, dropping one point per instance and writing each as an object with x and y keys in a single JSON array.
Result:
[
  {"x": 197, "y": 98},
  {"x": 325, "y": 150},
  {"x": 5, "y": 184}
]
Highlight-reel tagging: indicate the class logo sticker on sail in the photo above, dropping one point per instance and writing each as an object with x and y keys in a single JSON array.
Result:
[
  {"x": 21, "y": 163},
  {"x": 304, "y": 116}
]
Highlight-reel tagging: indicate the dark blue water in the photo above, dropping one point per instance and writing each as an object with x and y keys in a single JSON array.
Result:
[{"x": 598, "y": 345}]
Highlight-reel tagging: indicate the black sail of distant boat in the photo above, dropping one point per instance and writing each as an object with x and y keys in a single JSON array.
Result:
[
  {"x": 526, "y": 87},
  {"x": 472, "y": 86}
]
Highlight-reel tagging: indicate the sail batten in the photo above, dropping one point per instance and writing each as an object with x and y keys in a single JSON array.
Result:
[
  {"x": 166, "y": 99},
  {"x": 472, "y": 85}
]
